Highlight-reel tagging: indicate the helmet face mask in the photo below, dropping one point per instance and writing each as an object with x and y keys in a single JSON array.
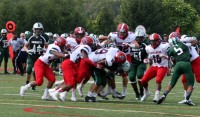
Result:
[
  {"x": 79, "y": 33},
  {"x": 155, "y": 40}
]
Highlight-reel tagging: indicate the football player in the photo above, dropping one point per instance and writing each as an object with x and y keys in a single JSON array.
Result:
[
  {"x": 34, "y": 47},
  {"x": 181, "y": 54},
  {"x": 42, "y": 68},
  {"x": 159, "y": 67}
]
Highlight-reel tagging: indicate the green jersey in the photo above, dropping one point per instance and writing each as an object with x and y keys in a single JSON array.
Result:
[
  {"x": 180, "y": 52},
  {"x": 138, "y": 55},
  {"x": 4, "y": 43},
  {"x": 36, "y": 45}
]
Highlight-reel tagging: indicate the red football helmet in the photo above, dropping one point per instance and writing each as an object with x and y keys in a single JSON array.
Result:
[
  {"x": 122, "y": 30},
  {"x": 87, "y": 40},
  {"x": 120, "y": 57},
  {"x": 60, "y": 41},
  {"x": 79, "y": 33},
  {"x": 175, "y": 36},
  {"x": 155, "y": 40}
]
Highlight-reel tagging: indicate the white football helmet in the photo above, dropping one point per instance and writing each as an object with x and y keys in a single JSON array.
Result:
[
  {"x": 4, "y": 31},
  {"x": 64, "y": 35},
  {"x": 38, "y": 25}
]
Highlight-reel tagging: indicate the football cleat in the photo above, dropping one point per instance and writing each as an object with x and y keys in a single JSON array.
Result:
[
  {"x": 138, "y": 97},
  {"x": 90, "y": 99},
  {"x": 145, "y": 96},
  {"x": 189, "y": 102},
  {"x": 73, "y": 98},
  {"x": 46, "y": 97},
  {"x": 117, "y": 95},
  {"x": 54, "y": 95},
  {"x": 103, "y": 97},
  {"x": 62, "y": 96},
  {"x": 22, "y": 90},
  {"x": 80, "y": 91},
  {"x": 162, "y": 98},
  {"x": 156, "y": 98}
]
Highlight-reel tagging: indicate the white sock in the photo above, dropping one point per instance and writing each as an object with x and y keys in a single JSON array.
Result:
[
  {"x": 73, "y": 92},
  {"x": 28, "y": 86},
  {"x": 46, "y": 91}
]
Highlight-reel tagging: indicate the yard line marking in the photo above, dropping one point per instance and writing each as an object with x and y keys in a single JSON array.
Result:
[{"x": 101, "y": 109}]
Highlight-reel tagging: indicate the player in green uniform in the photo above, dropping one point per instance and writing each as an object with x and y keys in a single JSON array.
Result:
[
  {"x": 138, "y": 67},
  {"x": 181, "y": 55},
  {"x": 35, "y": 43},
  {"x": 4, "y": 50}
]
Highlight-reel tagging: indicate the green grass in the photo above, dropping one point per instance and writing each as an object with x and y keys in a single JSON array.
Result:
[{"x": 12, "y": 105}]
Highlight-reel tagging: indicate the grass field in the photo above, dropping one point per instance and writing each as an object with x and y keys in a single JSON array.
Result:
[{"x": 12, "y": 105}]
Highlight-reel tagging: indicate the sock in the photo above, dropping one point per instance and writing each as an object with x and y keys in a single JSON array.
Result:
[
  {"x": 46, "y": 91},
  {"x": 27, "y": 82},
  {"x": 188, "y": 94},
  {"x": 28, "y": 86},
  {"x": 166, "y": 93}
]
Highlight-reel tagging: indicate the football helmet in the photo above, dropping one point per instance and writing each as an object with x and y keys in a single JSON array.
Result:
[
  {"x": 155, "y": 40},
  {"x": 87, "y": 40},
  {"x": 139, "y": 36},
  {"x": 27, "y": 32},
  {"x": 38, "y": 28},
  {"x": 79, "y": 33},
  {"x": 120, "y": 57},
  {"x": 4, "y": 32},
  {"x": 175, "y": 36},
  {"x": 60, "y": 42},
  {"x": 122, "y": 30},
  {"x": 64, "y": 35}
]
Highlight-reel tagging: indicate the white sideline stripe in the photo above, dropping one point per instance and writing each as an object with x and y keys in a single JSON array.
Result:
[{"x": 101, "y": 109}]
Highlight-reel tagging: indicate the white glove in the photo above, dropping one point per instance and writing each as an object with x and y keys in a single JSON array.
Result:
[
  {"x": 30, "y": 52},
  {"x": 146, "y": 61}
]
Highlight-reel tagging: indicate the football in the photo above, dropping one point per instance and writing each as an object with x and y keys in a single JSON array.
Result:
[{"x": 126, "y": 66}]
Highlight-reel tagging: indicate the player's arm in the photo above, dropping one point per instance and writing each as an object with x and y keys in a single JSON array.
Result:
[{"x": 59, "y": 54}]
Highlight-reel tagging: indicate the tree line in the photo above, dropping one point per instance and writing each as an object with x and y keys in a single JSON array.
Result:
[{"x": 102, "y": 16}]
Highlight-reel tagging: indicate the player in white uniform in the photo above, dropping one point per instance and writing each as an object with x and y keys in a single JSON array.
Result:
[
  {"x": 70, "y": 68},
  {"x": 107, "y": 57},
  {"x": 158, "y": 56},
  {"x": 42, "y": 68},
  {"x": 194, "y": 59},
  {"x": 124, "y": 40}
]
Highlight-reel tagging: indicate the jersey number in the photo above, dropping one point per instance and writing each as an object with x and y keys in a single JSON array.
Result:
[
  {"x": 179, "y": 51},
  {"x": 156, "y": 59}
]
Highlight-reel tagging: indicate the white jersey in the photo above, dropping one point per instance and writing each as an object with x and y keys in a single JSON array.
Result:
[
  {"x": 104, "y": 53},
  {"x": 76, "y": 55},
  {"x": 48, "y": 57},
  {"x": 154, "y": 54},
  {"x": 119, "y": 42},
  {"x": 71, "y": 42},
  {"x": 193, "y": 53}
]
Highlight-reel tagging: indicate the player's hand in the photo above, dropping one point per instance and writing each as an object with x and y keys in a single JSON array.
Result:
[
  {"x": 125, "y": 44},
  {"x": 30, "y": 52},
  {"x": 100, "y": 66},
  {"x": 146, "y": 61}
]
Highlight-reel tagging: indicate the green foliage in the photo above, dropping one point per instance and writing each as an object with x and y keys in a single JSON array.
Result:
[
  {"x": 102, "y": 17},
  {"x": 181, "y": 14}
]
